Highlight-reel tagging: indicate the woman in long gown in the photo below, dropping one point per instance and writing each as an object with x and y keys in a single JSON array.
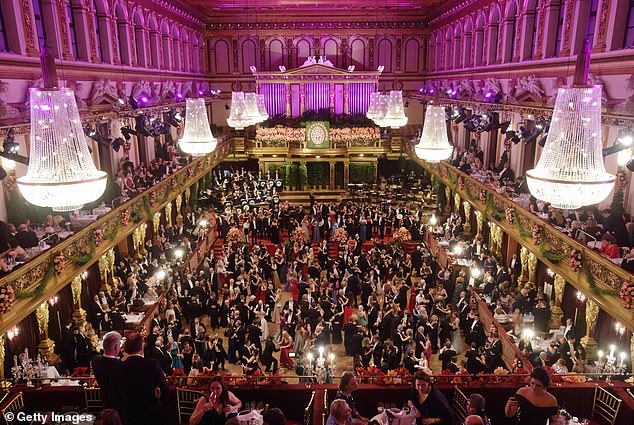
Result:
[
  {"x": 534, "y": 404},
  {"x": 275, "y": 233},
  {"x": 175, "y": 353},
  {"x": 337, "y": 323},
  {"x": 456, "y": 338},
  {"x": 286, "y": 345},
  {"x": 300, "y": 339},
  {"x": 316, "y": 231}
]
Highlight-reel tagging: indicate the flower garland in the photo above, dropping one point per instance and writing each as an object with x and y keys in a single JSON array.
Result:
[
  {"x": 125, "y": 217},
  {"x": 574, "y": 260},
  {"x": 537, "y": 234},
  {"x": 7, "y": 296},
  {"x": 443, "y": 171},
  {"x": 483, "y": 196},
  {"x": 152, "y": 199},
  {"x": 627, "y": 294},
  {"x": 510, "y": 215},
  {"x": 621, "y": 178},
  {"x": 98, "y": 235},
  {"x": 59, "y": 262},
  {"x": 174, "y": 184},
  {"x": 593, "y": 286},
  {"x": 460, "y": 183},
  {"x": 523, "y": 233},
  {"x": 175, "y": 377}
]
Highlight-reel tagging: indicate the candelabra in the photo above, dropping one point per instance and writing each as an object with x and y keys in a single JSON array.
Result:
[
  {"x": 610, "y": 367},
  {"x": 323, "y": 373},
  {"x": 28, "y": 369}
]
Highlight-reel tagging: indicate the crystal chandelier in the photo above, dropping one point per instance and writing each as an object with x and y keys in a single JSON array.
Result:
[
  {"x": 570, "y": 173},
  {"x": 395, "y": 115},
  {"x": 381, "y": 110},
  {"x": 434, "y": 143},
  {"x": 61, "y": 173},
  {"x": 264, "y": 115},
  {"x": 197, "y": 139},
  {"x": 373, "y": 109},
  {"x": 251, "y": 108},
  {"x": 238, "y": 118}
]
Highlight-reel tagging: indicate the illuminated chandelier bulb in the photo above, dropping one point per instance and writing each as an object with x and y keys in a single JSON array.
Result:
[
  {"x": 395, "y": 115},
  {"x": 237, "y": 117},
  {"x": 434, "y": 143},
  {"x": 570, "y": 173},
  {"x": 264, "y": 115},
  {"x": 61, "y": 173},
  {"x": 251, "y": 108},
  {"x": 383, "y": 101},
  {"x": 197, "y": 138}
]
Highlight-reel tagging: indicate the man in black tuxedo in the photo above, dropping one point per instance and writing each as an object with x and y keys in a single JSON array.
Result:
[
  {"x": 476, "y": 332},
  {"x": 493, "y": 353},
  {"x": 138, "y": 385},
  {"x": 501, "y": 275},
  {"x": 68, "y": 347},
  {"x": 103, "y": 364},
  {"x": 157, "y": 352},
  {"x": 570, "y": 351},
  {"x": 446, "y": 354},
  {"x": 267, "y": 358}
]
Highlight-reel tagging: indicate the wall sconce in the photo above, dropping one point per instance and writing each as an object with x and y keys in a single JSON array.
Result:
[
  {"x": 13, "y": 332},
  {"x": 53, "y": 300},
  {"x": 581, "y": 297}
]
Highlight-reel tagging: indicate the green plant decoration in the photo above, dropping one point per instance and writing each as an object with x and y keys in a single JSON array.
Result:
[
  {"x": 303, "y": 176},
  {"x": 193, "y": 195},
  {"x": 39, "y": 289},
  {"x": 272, "y": 169},
  {"x": 591, "y": 283},
  {"x": 283, "y": 169}
]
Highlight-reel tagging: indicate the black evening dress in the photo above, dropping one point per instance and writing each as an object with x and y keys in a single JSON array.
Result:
[{"x": 529, "y": 414}]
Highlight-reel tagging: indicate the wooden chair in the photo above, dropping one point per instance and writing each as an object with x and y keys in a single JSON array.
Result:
[
  {"x": 459, "y": 404},
  {"x": 187, "y": 400},
  {"x": 15, "y": 405},
  {"x": 605, "y": 406},
  {"x": 93, "y": 399},
  {"x": 308, "y": 411}
]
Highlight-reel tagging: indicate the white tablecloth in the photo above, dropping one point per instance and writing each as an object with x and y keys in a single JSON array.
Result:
[
  {"x": 134, "y": 318},
  {"x": 83, "y": 220},
  {"x": 99, "y": 211}
]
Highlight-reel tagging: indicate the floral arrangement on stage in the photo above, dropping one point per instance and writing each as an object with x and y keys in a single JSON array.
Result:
[
  {"x": 574, "y": 378},
  {"x": 510, "y": 215},
  {"x": 398, "y": 376},
  {"x": 402, "y": 235},
  {"x": 7, "y": 296},
  {"x": 59, "y": 262},
  {"x": 125, "y": 217},
  {"x": 355, "y": 135},
  {"x": 279, "y": 136},
  {"x": 537, "y": 234},
  {"x": 574, "y": 260},
  {"x": 370, "y": 375},
  {"x": 483, "y": 196},
  {"x": 300, "y": 236},
  {"x": 627, "y": 294},
  {"x": 80, "y": 372},
  {"x": 340, "y": 236},
  {"x": 98, "y": 236},
  {"x": 234, "y": 236}
]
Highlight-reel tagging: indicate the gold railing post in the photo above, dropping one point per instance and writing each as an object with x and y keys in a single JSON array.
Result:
[
  {"x": 79, "y": 314},
  {"x": 556, "y": 313},
  {"x": 588, "y": 341},
  {"x": 46, "y": 346}
]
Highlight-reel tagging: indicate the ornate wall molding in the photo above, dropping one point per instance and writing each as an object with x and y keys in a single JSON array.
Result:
[{"x": 253, "y": 26}]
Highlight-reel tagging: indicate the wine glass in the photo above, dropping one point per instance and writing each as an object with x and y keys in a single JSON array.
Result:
[{"x": 380, "y": 407}]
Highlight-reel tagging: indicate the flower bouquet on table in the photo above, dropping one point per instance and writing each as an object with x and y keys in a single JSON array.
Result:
[
  {"x": 340, "y": 236},
  {"x": 300, "y": 236},
  {"x": 444, "y": 380},
  {"x": 80, "y": 372},
  {"x": 574, "y": 260},
  {"x": 98, "y": 236},
  {"x": 402, "y": 235},
  {"x": 500, "y": 375},
  {"x": 7, "y": 296},
  {"x": 627, "y": 294},
  {"x": 234, "y": 236},
  {"x": 537, "y": 234},
  {"x": 574, "y": 378},
  {"x": 125, "y": 217},
  {"x": 176, "y": 377}
]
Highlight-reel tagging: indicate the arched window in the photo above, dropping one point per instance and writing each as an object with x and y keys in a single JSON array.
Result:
[
  {"x": 533, "y": 31},
  {"x": 593, "y": 8},
  {"x": 176, "y": 43},
  {"x": 560, "y": 27},
  {"x": 479, "y": 58},
  {"x": 39, "y": 22},
  {"x": 165, "y": 35},
  {"x": 122, "y": 35},
  {"x": 139, "y": 39},
  {"x": 510, "y": 31},
  {"x": 492, "y": 44},
  {"x": 97, "y": 31},
  {"x": 628, "y": 40},
  {"x": 4, "y": 44},
  {"x": 71, "y": 29},
  {"x": 154, "y": 43}
]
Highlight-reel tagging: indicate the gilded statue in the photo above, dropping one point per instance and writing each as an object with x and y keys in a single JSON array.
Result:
[
  {"x": 75, "y": 287},
  {"x": 41, "y": 313},
  {"x": 524, "y": 261},
  {"x": 532, "y": 267},
  {"x": 592, "y": 313},
  {"x": 559, "y": 284}
]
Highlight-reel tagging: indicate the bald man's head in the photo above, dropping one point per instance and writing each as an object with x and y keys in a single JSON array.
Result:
[{"x": 473, "y": 420}]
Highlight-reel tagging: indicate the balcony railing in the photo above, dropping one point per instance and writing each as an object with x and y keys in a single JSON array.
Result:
[
  {"x": 599, "y": 278},
  {"x": 37, "y": 280}
]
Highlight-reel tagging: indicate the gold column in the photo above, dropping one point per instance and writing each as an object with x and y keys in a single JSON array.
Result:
[
  {"x": 168, "y": 214},
  {"x": 456, "y": 201},
  {"x": 179, "y": 217},
  {"x": 524, "y": 260},
  {"x": 156, "y": 220},
  {"x": 346, "y": 175},
  {"x": 2, "y": 357},
  {"x": 46, "y": 346},
  {"x": 588, "y": 341},
  {"x": 480, "y": 222},
  {"x": 302, "y": 98},
  {"x": 556, "y": 313},
  {"x": 467, "y": 215},
  {"x": 532, "y": 267},
  {"x": 492, "y": 240},
  {"x": 448, "y": 196},
  {"x": 79, "y": 314}
]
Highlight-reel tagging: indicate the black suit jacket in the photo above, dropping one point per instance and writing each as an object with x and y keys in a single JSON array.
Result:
[
  {"x": 101, "y": 367},
  {"x": 133, "y": 383}
]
